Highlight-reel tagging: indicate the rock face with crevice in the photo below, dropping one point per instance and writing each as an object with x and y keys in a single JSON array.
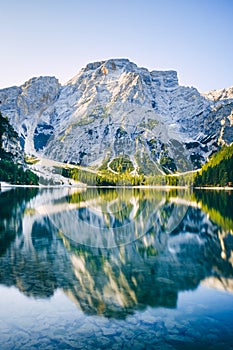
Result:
[{"x": 114, "y": 108}]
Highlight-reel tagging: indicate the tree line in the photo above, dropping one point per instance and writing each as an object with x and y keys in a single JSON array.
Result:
[
  {"x": 108, "y": 178},
  {"x": 218, "y": 171}
]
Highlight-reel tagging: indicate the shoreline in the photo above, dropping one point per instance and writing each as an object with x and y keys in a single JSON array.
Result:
[
  {"x": 214, "y": 188},
  {"x": 8, "y": 185}
]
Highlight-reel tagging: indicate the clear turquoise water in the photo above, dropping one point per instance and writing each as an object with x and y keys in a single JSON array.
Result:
[{"x": 157, "y": 272}]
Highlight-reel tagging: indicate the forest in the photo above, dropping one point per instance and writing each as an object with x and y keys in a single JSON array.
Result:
[
  {"x": 10, "y": 170},
  {"x": 218, "y": 171},
  {"x": 108, "y": 178}
]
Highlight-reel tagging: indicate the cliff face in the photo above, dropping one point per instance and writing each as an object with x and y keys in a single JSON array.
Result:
[
  {"x": 114, "y": 108},
  {"x": 10, "y": 148}
]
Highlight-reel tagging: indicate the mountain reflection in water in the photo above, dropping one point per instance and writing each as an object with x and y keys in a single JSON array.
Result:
[{"x": 113, "y": 251}]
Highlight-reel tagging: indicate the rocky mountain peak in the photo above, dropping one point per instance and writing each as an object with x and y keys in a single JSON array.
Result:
[
  {"x": 38, "y": 92},
  {"x": 125, "y": 69},
  {"x": 222, "y": 94},
  {"x": 113, "y": 108},
  {"x": 111, "y": 64}
]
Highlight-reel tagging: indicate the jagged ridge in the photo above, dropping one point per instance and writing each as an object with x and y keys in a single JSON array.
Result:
[{"x": 114, "y": 108}]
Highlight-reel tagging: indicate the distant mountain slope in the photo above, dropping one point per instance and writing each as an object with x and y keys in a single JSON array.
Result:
[
  {"x": 218, "y": 171},
  {"x": 218, "y": 95},
  {"x": 113, "y": 109},
  {"x": 9, "y": 143},
  {"x": 11, "y": 157}
]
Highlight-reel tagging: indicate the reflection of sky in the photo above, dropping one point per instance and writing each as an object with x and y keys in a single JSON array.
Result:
[
  {"x": 58, "y": 320},
  {"x": 206, "y": 301},
  {"x": 15, "y": 305},
  {"x": 18, "y": 310}
]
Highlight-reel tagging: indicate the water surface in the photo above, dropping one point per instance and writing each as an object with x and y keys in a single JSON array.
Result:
[{"x": 116, "y": 268}]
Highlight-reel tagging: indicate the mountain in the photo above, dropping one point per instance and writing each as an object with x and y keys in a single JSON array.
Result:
[
  {"x": 9, "y": 142},
  {"x": 113, "y": 111},
  {"x": 12, "y": 165}
]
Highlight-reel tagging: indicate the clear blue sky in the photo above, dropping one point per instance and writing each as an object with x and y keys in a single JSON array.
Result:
[{"x": 59, "y": 37}]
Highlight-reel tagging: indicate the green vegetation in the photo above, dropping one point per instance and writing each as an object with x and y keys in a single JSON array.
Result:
[
  {"x": 149, "y": 123},
  {"x": 9, "y": 170},
  {"x": 84, "y": 121},
  {"x": 167, "y": 163},
  {"x": 121, "y": 165},
  {"x": 6, "y": 128},
  {"x": 77, "y": 174},
  {"x": 152, "y": 144},
  {"x": 11, "y": 202},
  {"x": 104, "y": 165},
  {"x": 15, "y": 174},
  {"x": 108, "y": 178},
  {"x": 145, "y": 164},
  {"x": 218, "y": 171},
  {"x": 146, "y": 252},
  {"x": 219, "y": 206}
]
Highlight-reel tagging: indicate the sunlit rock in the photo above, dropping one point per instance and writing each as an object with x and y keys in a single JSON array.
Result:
[{"x": 114, "y": 107}]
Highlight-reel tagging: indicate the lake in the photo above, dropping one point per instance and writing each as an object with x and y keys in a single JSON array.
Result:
[{"x": 116, "y": 269}]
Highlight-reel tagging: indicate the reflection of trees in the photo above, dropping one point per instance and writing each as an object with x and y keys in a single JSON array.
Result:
[
  {"x": 151, "y": 271},
  {"x": 219, "y": 205},
  {"x": 12, "y": 204}
]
